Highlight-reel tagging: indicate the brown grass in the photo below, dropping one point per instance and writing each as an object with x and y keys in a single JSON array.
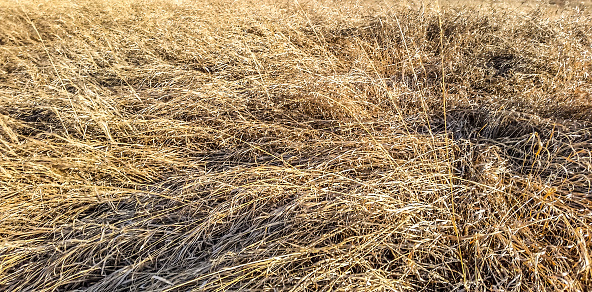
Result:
[{"x": 297, "y": 146}]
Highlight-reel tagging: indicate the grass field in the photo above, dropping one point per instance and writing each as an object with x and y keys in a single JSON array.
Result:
[{"x": 295, "y": 145}]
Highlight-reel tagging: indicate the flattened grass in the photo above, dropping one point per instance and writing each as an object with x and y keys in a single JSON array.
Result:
[{"x": 294, "y": 146}]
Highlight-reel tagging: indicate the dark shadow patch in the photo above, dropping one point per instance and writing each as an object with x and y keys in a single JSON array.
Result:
[
  {"x": 471, "y": 124},
  {"x": 38, "y": 120},
  {"x": 106, "y": 80},
  {"x": 255, "y": 31},
  {"x": 582, "y": 37},
  {"x": 504, "y": 65},
  {"x": 207, "y": 69},
  {"x": 71, "y": 88},
  {"x": 529, "y": 144}
]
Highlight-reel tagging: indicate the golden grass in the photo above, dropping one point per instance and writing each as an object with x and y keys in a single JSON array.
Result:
[{"x": 296, "y": 145}]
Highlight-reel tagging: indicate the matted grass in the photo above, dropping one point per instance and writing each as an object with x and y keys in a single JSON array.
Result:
[{"x": 295, "y": 146}]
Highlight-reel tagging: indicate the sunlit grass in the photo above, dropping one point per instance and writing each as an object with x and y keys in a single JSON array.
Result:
[{"x": 298, "y": 146}]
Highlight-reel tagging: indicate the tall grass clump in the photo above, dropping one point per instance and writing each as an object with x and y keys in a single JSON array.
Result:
[{"x": 295, "y": 145}]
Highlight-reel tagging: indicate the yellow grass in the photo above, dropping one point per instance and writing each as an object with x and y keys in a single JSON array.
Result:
[{"x": 295, "y": 146}]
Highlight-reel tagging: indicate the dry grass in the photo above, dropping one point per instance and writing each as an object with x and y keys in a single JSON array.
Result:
[{"x": 298, "y": 146}]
